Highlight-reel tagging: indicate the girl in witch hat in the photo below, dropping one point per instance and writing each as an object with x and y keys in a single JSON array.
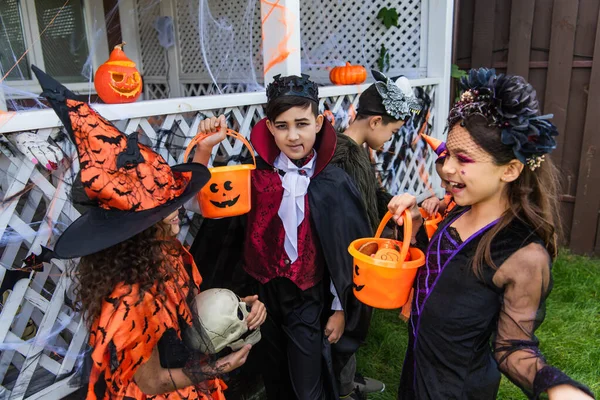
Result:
[{"x": 135, "y": 279}]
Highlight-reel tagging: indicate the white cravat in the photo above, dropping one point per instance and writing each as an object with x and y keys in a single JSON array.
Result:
[{"x": 291, "y": 211}]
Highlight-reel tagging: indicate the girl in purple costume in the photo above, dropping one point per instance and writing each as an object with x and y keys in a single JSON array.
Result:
[{"x": 480, "y": 296}]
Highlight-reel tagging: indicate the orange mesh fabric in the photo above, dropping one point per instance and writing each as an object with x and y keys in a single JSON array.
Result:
[
  {"x": 131, "y": 325},
  {"x": 147, "y": 185}
]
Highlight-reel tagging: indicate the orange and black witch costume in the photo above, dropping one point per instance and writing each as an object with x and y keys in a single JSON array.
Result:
[
  {"x": 133, "y": 189},
  {"x": 130, "y": 327}
]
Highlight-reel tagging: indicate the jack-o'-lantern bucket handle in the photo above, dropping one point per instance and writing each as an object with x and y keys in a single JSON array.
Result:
[
  {"x": 407, "y": 231},
  {"x": 230, "y": 132}
]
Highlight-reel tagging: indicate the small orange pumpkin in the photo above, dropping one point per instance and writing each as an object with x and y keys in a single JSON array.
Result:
[
  {"x": 348, "y": 75},
  {"x": 118, "y": 80}
]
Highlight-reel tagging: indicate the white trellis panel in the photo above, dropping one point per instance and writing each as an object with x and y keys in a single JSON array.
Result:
[
  {"x": 217, "y": 41},
  {"x": 153, "y": 56},
  {"x": 334, "y": 32},
  {"x": 36, "y": 207},
  {"x": 202, "y": 89},
  {"x": 230, "y": 45},
  {"x": 220, "y": 41}
]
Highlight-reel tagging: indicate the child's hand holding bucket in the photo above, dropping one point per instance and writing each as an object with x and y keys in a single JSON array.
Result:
[
  {"x": 214, "y": 128},
  {"x": 228, "y": 192},
  {"x": 431, "y": 205},
  {"x": 403, "y": 202}
]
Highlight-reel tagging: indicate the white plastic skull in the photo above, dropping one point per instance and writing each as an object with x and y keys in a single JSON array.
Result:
[{"x": 222, "y": 317}]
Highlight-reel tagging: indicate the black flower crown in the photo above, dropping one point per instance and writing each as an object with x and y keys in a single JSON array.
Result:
[
  {"x": 511, "y": 104},
  {"x": 293, "y": 85}
]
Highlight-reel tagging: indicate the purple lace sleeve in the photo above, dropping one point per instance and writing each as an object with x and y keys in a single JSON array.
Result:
[
  {"x": 549, "y": 377},
  {"x": 526, "y": 280}
]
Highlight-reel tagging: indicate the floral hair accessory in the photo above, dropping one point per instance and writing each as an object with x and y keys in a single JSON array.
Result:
[
  {"x": 509, "y": 103},
  {"x": 398, "y": 98},
  {"x": 535, "y": 162}
]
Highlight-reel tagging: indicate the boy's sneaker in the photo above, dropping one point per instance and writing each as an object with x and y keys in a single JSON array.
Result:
[{"x": 368, "y": 385}]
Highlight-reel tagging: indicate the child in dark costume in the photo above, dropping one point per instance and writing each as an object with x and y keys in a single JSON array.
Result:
[
  {"x": 480, "y": 297},
  {"x": 304, "y": 214},
  {"x": 135, "y": 279},
  {"x": 432, "y": 205},
  {"x": 383, "y": 109}
]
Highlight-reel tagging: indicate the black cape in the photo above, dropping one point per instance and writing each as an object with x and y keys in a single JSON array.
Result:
[{"x": 338, "y": 217}]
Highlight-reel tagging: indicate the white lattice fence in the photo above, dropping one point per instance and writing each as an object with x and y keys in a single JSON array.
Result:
[
  {"x": 220, "y": 41},
  {"x": 221, "y": 38},
  {"x": 334, "y": 32},
  {"x": 36, "y": 207},
  {"x": 202, "y": 89},
  {"x": 40, "y": 336},
  {"x": 153, "y": 55}
]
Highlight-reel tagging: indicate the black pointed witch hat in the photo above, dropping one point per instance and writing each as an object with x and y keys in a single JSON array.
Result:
[{"x": 131, "y": 185}]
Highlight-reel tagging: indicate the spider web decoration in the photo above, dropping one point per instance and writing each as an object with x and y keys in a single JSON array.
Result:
[{"x": 219, "y": 47}]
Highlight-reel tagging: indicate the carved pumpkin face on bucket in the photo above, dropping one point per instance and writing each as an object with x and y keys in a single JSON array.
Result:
[
  {"x": 385, "y": 269},
  {"x": 118, "y": 80},
  {"x": 229, "y": 198},
  {"x": 227, "y": 193}
]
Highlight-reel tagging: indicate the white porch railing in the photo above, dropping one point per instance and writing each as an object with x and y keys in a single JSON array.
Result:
[{"x": 36, "y": 207}]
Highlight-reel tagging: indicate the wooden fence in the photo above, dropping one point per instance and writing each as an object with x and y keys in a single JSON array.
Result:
[{"x": 553, "y": 44}]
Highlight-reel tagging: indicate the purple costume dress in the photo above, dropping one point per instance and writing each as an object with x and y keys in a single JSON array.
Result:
[{"x": 462, "y": 335}]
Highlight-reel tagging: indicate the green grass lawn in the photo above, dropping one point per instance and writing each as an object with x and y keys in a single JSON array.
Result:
[{"x": 570, "y": 335}]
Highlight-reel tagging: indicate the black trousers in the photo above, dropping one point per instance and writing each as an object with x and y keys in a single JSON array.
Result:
[
  {"x": 292, "y": 346},
  {"x": 344, "y": 366}
]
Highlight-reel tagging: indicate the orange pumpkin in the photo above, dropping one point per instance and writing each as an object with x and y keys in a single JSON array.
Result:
[
  {"x": 118, "y": 80},
  {"x": 227, "y": 194},
  {"x": 348, "y": 75}
]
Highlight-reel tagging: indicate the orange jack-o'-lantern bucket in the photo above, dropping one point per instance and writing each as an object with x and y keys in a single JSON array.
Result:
[
  {"x": 431, "y": 222},
  {"x": 227, "y": 194},
  {"x": 385, "y": 269}
]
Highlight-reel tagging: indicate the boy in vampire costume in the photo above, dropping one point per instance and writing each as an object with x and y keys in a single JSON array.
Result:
[{"x": 292, "y": 245}]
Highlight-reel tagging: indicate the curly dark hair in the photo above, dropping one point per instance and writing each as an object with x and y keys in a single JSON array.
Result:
[{"x": 138, "y": 260}]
